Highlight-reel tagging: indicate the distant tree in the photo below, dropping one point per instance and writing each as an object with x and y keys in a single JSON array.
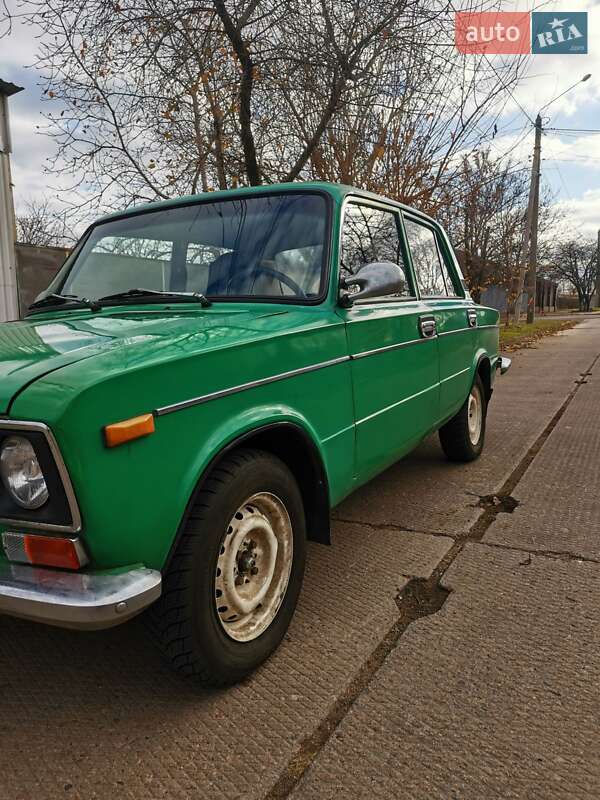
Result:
[
  {"x": 38, "y": 224},
  {"x": 575, "y": 262},
  {"x": 483, "y": 211}
]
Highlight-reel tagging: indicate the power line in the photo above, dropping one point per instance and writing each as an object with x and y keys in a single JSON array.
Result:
[{"x": 574, "y": 130}]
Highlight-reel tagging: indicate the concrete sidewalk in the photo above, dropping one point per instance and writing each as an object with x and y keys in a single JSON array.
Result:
[
  {"x": 465, "y": 705},
  {"x": 496, "y": 695}
]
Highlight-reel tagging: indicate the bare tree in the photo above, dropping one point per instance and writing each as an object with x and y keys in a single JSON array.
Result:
[
  {"x": 575, "y": 262},
  {"x": 408, "y": 140},
  {"x": 38, "y": 224},
  {"x": 152, "y": 99},
  {"x": 483, "y": 209}
]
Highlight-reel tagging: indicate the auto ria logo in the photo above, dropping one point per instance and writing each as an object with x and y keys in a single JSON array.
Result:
[{"x": 521, "y": 32}]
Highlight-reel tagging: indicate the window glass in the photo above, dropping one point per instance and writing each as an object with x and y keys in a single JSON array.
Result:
[
  {"x": 199, "y": 257},
  {"x": 301, "y": 264},
  {"x": 371, "y": 234},
  {"x": 431, "y": 273},
  {"x": 122, "y": 260},
  {"x": 261, "y": 246}
]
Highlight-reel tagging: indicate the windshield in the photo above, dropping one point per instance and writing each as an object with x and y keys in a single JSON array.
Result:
[{"x": 268, "y": 247}]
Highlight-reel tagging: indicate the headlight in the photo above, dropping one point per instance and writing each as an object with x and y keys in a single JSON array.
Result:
[{"x": 22, "y": 474}]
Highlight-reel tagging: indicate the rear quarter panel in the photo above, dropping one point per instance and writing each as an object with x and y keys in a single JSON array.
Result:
[{"x": 487, "y": 338}]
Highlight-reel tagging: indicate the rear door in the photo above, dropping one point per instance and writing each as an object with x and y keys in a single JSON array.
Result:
[
  {"x": 394, "y": 354},
  {"x": 443, "y": 296}
]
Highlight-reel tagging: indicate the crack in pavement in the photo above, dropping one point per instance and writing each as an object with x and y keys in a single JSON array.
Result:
[
  {"x": 559, "y": 555},
  {"x": 390, "y": 526},
  {"x": 419, "y": 598}
]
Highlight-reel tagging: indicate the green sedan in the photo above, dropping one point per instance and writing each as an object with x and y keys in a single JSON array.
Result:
[{"x": 202, "y": 382}]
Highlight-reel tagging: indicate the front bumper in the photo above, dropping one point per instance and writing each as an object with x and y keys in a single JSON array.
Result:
[{"x": 75, "y": 599}]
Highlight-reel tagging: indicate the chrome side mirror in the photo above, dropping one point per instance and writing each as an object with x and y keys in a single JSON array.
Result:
[{"x": 378, "y": 279}]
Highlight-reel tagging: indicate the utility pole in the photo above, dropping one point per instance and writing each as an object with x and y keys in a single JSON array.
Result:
[
  {"x": 529, "y": 246},
  {"x": 9, "y": 302},
  {"x": 529, "y": 249},
  {"x": 533, "y": 234}
]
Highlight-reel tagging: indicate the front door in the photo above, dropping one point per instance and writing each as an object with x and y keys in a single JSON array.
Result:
[
  {"x": 394, "y": 352},
  {"x": 443, "y": 297}
]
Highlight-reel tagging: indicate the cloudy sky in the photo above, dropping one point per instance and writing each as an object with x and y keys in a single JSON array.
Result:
[{"x": 571, "y": 158}]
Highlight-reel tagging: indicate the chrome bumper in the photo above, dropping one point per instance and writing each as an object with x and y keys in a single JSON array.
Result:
[
  {"x": 76, "y": 600},
  {"x": 503, "y": 364}
]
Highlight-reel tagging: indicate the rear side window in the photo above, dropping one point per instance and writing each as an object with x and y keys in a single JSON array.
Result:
[
  {"x": 433, "y": 278},
  {"x": 371, "y": 234}
]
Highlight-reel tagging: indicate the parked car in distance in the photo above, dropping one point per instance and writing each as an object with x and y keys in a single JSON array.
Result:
[{"x": 202, "y": 382}]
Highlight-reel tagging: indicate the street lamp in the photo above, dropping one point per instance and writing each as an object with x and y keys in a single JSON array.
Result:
[
  {"x": 529, "y": 249},
  {"x": 581, "y": 80}
]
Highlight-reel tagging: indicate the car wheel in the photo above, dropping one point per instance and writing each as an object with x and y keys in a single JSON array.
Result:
[
  {"x": 463, "y": 436},
  {"x": 233, "y": 582}
]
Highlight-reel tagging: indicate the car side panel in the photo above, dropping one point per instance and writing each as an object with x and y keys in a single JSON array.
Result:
[
  {"x": 132, "y": 497},
  {"x": 395, "y": 380},
  {"x": 456, "y": 346}
]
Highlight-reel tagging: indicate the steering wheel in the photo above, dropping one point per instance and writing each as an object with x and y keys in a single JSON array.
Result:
[{"x": 274, "y": 273}]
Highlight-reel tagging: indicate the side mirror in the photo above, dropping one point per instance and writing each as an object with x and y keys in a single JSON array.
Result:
[{"x": 377, "y": 279}]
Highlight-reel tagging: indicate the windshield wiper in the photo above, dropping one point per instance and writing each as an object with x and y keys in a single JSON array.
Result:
[
  {"x": 194, "y": 297},
  {"x": 53, "y": 299}
]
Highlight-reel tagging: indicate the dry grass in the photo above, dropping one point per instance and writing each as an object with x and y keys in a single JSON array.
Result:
[{"x": 515, "y": 337}]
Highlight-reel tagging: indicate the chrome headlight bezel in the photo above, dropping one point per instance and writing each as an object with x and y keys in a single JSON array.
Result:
[
  {"x": 60, "y": 513},
  {"x": 22, "y": 473}
]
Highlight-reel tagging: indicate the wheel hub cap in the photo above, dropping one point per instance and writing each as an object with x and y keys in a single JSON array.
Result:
[
  {"x": 475, "y": 415},
  {"x": 253, "y": 567}
]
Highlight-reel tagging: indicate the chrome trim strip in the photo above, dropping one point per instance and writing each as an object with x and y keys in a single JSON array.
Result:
[
  {"x": 205, "y": 398},
  {"x": 399, "y": 403},
  {"x": 397, "y": 346},
  {"x": 455, "y": 375},
  {"x": 86, "y": 601},
  {"x": 458, "y": 330},
  {"x": 339, "y": 433},
  {"x": 75, "y": 527}
]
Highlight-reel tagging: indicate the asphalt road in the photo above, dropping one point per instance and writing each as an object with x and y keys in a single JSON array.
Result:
[{"x": 446, "y": 645}]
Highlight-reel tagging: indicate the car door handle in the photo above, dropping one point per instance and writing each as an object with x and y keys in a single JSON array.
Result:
[
  {"x": 427, "y": 327},
  {"x": 472, "y": 317}
]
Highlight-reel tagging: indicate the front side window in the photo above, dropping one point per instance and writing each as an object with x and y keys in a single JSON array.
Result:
[
  {"x": 268, "y": 247},
  {"x": 371, "y": 234},
  {"x": 433, "y": 278}
]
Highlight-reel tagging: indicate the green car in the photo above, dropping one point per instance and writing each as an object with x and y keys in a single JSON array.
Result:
[{"x": 202, "y": 382}]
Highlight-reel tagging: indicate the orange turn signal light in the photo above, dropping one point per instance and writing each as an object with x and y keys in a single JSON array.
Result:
[
  {"x": 51, "y": 552},
  {"x": 121, "y": 432},
  {"x": 46, "y": 551}
]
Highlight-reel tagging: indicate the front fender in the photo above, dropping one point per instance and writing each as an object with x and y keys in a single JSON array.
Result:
[
  {"x": 238, "y": 427},
  {"x": 134, "y": 496}
]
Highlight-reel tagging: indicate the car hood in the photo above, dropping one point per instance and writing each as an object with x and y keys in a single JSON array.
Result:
[{"x": 41, "y": 344}]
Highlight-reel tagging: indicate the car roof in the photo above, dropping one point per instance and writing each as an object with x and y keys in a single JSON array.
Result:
[{"x": 337, "y": 191}]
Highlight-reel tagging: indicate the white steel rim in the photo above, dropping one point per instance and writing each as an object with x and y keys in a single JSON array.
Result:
[
  {"x": 253, "y": 567},
  {"x": 475, "y": 415}
]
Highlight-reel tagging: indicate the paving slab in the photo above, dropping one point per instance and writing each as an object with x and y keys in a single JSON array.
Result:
[
  {"x": 98, "y": 715},
  {"x": 559, "y": 507},
  {"x": 425, "y": 492},
  {"x": 495, "y": 696}
]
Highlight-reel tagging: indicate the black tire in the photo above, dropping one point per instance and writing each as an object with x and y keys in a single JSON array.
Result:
[
  {"x": 185, "y": 621},
  {"x": 455, "y": 437}
]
